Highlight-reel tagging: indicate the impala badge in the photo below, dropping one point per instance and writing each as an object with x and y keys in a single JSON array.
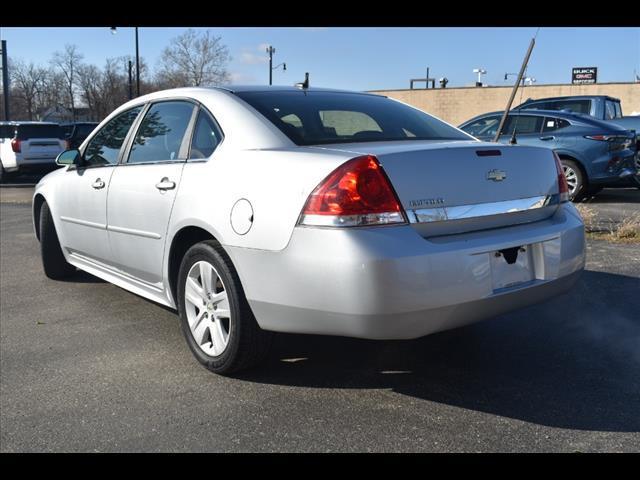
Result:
[{"x": 496, "y": 175}]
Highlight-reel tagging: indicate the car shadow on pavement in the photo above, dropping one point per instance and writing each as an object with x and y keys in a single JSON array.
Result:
[
  {"x": 627, "y": 195},
  {"x": 81, "y": 276},
  {"x": 573, "y": 362}
]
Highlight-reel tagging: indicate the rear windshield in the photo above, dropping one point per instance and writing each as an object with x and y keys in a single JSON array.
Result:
[
  {"x": 39, "y": 131},
  {"x": 314, "y": 118}
]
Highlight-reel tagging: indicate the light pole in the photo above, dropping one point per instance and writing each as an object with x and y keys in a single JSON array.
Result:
[
  {"x": 114, "y": 31},
  {"x": 480, "y": 72},
  {"x": 270, "y": 50}
]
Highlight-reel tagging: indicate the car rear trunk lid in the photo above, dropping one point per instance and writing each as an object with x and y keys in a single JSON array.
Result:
[{"x": 456, "y": 187}]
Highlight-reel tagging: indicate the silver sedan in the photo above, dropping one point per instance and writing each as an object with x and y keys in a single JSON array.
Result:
[{"x": 253, "y": 210}]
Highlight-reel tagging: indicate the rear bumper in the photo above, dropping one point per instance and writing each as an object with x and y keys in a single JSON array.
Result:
[
  {"x": 621, "y": 173},
  {"x": 390, "y": 283}
]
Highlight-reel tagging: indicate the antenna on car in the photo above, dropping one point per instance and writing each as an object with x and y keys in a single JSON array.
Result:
[
  {"x": 515, "y": 89},
  {"x": 304, "y": 85}
]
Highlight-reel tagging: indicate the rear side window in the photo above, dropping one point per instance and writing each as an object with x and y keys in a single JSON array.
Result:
[
  {"x": 161, "y": 133},
  {"x": 553, "y": 124},
  {"x": 104, "y": 147},
  {"x": 612, "y": 110},
  {"x": 315, "y": 117},
  {"x": 25, "y": 132},
  {"x": 206, "y": 137}
]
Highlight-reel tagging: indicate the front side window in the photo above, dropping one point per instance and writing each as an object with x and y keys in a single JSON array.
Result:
[
  {"x": 484, "y": 127},
  {"x": 104, "y": 147},
  {"x": 206, "y": 137},
  {"x": 522, "y": 124},
  {"x": 161, "y": 133},
  {"x": 317, "y": 117}
]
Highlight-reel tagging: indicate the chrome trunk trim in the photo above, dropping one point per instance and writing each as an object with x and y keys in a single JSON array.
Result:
[{"x": 460, "y": 212}]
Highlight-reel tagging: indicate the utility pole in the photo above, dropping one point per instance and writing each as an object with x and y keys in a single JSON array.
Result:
[
  {"x": 113, "y": 32},
  {"x": 130, "y": 80},
  {"x": 5, "y": 80},
  {"x": 137, "y": 66},
  {"x": 271, "y": 51}
]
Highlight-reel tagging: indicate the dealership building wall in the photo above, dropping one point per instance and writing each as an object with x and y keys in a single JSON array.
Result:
[{"x": 455, "y": 105}]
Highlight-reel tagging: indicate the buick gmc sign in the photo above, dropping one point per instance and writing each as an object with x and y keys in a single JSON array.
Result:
[{"x": 583, "y": 75}]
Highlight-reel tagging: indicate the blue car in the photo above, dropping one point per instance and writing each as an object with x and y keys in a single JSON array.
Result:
[{"x": 594, "y": 154}]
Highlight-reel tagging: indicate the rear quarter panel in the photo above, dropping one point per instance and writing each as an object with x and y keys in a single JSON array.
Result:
[{"x": 276, "y": 182}]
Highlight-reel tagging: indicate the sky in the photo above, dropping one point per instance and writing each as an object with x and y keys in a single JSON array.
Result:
[{"x": 365, "y": 58}]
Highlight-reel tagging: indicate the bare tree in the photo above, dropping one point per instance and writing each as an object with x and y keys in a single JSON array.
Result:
[
  {"x": 28, "y": 82},
  {"x": 193, "y": 59},
  {"x": 68, "y": 63},
  {"x": 89, "y": 81}
]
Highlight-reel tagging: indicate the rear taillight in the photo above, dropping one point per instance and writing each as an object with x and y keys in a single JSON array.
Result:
[
  {"x": 616, "y": 142},
  {"x": 357, "y": 193},
  {"x": 563, "y": 187},
  {"x": 15, "y": 145}
]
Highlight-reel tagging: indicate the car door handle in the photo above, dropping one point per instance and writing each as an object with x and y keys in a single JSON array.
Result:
[
  {"x": 98, "y": 184},
  {"x": 165, "y": 184},
  {"x": 548, "y": 138}
]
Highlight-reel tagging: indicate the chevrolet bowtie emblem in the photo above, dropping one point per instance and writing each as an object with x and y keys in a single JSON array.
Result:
[{"x": 496, "y": 175}]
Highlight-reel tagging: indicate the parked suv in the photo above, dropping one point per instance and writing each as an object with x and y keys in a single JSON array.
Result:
[
  {"x": 29, "y": 146},
  {"x": 75, "y": 133},
  {"x": 594, "y": 154}
]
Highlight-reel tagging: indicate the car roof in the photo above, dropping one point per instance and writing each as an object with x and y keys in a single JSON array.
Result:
[
  {"x": 570, "y": 97},
  {"x": 28, "y": 122},
  {"x": 540, "y": 113},
  {"x": 285, "y": 88}
]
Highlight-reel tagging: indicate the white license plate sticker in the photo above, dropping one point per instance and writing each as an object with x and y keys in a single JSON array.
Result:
[{"x": 505, "y": 275}]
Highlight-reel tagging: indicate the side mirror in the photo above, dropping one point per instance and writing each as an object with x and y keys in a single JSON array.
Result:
[{"x": 69, "y": 157}]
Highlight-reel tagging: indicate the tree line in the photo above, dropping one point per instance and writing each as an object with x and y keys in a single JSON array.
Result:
[{"x": 191, "y": 59}]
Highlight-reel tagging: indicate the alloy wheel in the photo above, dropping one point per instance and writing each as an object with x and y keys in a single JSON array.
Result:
[
  {"x": 207, "y": 308},
  {"x": 572, "y": 178}
]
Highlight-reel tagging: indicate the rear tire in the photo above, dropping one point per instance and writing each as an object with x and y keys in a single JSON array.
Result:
[
  {"x": 576, "y": 180},
  {"x": 53, "y": 262},
  {"x": 246, "y": 343}
]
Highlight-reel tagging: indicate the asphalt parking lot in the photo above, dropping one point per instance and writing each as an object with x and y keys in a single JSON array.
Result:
[{"x": 87, "y": 366}]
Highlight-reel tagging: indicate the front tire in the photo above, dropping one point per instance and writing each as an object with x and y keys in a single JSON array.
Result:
[
  {"x": 576, "y": 180},
  {"x": 53, "y": 261},
  {"x": 215, "y": 316}
]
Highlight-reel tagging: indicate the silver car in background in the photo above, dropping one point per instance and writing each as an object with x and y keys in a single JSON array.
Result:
[{"x": 254, "y": 210}]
